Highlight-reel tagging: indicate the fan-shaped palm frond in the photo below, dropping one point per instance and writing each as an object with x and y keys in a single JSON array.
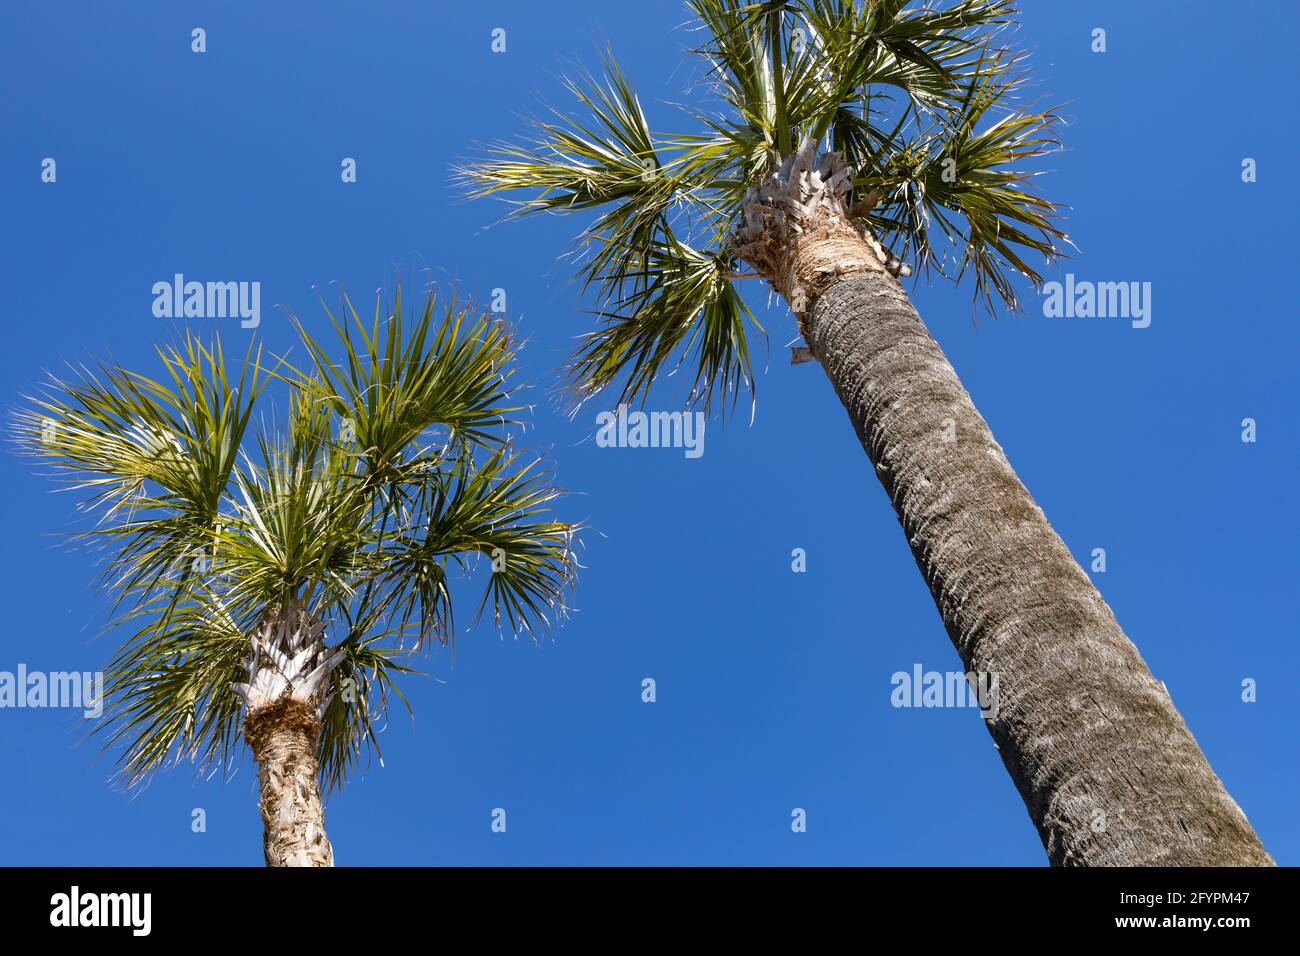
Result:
[
  {"x": 392, "y": 467},
  {"x": 922, "y": 100}
]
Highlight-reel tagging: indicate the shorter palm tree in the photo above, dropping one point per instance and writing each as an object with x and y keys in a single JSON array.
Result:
[{"x": 234, "y": 557}]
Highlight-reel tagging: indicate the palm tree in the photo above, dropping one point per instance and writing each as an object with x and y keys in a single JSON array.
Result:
[
  {"x": 825, "y": 132},
  {"x": 233, "y": 556}
]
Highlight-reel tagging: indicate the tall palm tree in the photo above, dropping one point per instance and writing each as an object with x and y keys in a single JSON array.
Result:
[
  {"x": 826, "y": 132},
  {"x": 237, "y": 553}
]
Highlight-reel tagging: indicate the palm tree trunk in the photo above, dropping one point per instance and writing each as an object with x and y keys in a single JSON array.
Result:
[
  {"x": 283, "y": 738},
  {"x": 1107, "y": 767}
]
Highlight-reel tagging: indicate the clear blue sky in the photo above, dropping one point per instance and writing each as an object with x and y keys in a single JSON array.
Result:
[{"x": 773, "y": 687}]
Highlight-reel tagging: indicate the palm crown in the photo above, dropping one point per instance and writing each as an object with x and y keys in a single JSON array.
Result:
[
  {"x": 919, "y": 101},
  {"x": 393, "y": 464}
]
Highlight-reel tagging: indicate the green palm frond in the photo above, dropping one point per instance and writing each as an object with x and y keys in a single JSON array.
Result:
[
  {"x": 150, "y": 460},
  {"x": 977, "y": 168},
  {"x": 607, "y": 160},
  {"x": 395, "y": 383},
  {"x": 168, "y": 686},
  {"x": 364, "y": 681},
  {"x": 686, "y": 307},
  {"x": 577, "y": 163},
  {"x": 923, "y": 100},
  {"x": 392, "y": 467},
  {"x": 923, "y": 51}
]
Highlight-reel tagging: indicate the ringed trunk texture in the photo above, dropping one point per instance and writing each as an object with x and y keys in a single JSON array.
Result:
[
  {"x": 283, "y": 737},
  {"x": 1108, "y": 769}
]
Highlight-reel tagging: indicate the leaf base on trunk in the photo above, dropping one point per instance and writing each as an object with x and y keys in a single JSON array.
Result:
[{"x": 283, "y": 736}]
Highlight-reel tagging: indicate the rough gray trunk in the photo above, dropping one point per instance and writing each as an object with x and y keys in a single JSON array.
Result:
[
  {"x": 283, "y": 737},
  {"x": 1107, "y": 767}
]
